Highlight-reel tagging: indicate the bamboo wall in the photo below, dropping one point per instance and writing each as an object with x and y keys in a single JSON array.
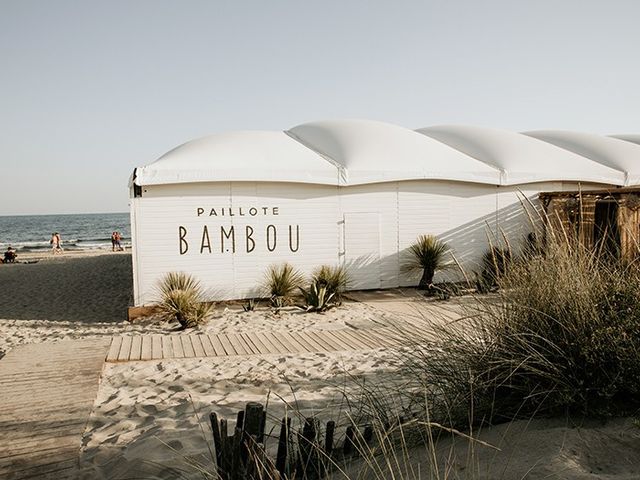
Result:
[{"x": 572, "y": 215}]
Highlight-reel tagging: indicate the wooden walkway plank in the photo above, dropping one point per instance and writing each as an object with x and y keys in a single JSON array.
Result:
[
  {"x": 265, "y": 338},
  {"x": 167, "y": 346},
  {"x": 237, "y": 345},
  {"x": 125, "y": 348},
  {"x": 300, "y": 340},
  {"x": 278, "y": 343},
  {"x": 350, "y": 339},
  {"x": 227, "y": 344},
  {"x": 258, "y": 343},
  {"x": 136, "y": 348},
  {"x": 319, "y": 338},
  {"x": 315, "y": 346},
  {"x": 297, "y": 346},
  {"x": 176, "y": 343},
  {"x": 198, "y": 348},
  {"x": 363, "y": 338},
  {"x": 145, "y": 350},
  {"x": 187, "y": 346},
  {"x": 114, "y": 349},
  {"x": 217, "y": 345},
  {"x": 373, "y": 339},
  {"x": 207, "y": 346},
  {"x": 337, "y": 340},
  {"x": 156, "y": 346},
  {"x": 250, "y": 344}
]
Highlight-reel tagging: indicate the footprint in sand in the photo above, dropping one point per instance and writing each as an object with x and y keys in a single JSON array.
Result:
[{"x": 150, "y": 409}]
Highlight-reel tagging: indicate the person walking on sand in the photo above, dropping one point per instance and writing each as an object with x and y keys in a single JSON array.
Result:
[
  {"x": 114, "y": 236},
  {"x": 55, "y": 243}
]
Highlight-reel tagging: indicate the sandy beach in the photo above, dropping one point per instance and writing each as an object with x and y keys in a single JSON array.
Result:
[{"x": 149, "y": 419}]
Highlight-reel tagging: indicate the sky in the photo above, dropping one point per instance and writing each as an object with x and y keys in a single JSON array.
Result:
[{"x": 91, "y": 89}]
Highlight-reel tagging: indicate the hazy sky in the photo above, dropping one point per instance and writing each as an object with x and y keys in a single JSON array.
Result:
[{"x": 89, "y": 90}]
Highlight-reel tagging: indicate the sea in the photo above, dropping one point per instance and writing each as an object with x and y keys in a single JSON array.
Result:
[{"x": 92, "y": 231}]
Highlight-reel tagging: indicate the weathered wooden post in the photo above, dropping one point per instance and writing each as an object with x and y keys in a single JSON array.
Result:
[
  {"x": 283, "y": 447},
  {"x": 348, "y": 447},
  {"x": 309, "y": 464}
]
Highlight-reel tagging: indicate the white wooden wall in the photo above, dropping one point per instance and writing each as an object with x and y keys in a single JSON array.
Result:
[
  {"x": 227, "y": 275},
  {"x": 366, "y": 228}
]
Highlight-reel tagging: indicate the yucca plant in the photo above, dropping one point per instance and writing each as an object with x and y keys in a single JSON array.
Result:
[
  {"x": 177, "y": 281},
  {"x": 428, "y": 254},
  {"x": 317, "y": 298},
  {"x": 334, "y": 278},
  {"x": 250, "y": 306},
  {"x": 281, "y": 283},
  {"x": 182, "y": 299}
]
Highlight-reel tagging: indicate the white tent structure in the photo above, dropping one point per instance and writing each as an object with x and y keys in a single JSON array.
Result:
[{"x": 349, "y": 192}]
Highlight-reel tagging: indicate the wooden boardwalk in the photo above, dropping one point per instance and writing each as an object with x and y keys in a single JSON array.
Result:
[
  {"x": 128, "y": 348},
  {"x": 47, "y": 392}
]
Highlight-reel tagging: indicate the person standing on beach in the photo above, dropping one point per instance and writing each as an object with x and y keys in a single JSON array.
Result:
[
  {"x": 118, "y": 238},
  {"x": 55, "y": 243},
  {"x": 114, "y": 236}
]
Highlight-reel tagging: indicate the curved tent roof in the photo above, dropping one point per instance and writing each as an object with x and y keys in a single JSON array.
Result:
[
  {"x": 523, "y": 159},
  {"x": 633, "y": 138},
  {"x": 355, "y": 152},
  {"x": 370, "y": 152},
  {"x": 239, "y": 156},
  {"x": 612, "y": 152}
]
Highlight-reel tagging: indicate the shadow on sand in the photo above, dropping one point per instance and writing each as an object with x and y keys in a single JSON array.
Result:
[{"x": 84, "y": 289}]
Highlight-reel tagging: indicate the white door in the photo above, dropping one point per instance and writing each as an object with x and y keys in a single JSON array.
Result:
[{"x": 362, "y": 250}]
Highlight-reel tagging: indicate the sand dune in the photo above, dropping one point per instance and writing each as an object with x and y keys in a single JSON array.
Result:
[{"x": 149, "y": 418}]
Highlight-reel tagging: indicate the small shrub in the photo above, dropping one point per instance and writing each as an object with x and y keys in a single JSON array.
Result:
[
  {"x": 334, "y": 278},
  {"x": 182, "y": 299},
  {"x": 250, "y": 306},
  {"x": 281, "y": 282},
  {"x": 277, "y": 303},
  {"x": 428, "y": 254},
  {"x": 317, "y": 298}
]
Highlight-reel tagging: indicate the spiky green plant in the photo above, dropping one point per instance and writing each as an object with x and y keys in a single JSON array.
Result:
[
  {"x": 182, "y": 299},
  {"x": 250, "y": 306},
  {"x": 428, "y": 254},
  {"x": 281, "y": 283},
  {"x": 317, "y": 298},
  {"x": 334, "y": 278}
]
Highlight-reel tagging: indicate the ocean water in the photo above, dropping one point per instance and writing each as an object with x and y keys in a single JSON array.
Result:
[{"x": 78, "y": 232}]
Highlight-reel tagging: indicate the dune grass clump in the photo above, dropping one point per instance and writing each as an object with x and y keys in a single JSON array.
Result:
[
  {"x": 281, "y": 283},
  {"x": 429, "y": 255},
  {"x": 182, "y": 299},
  {"x": 495, "y": 262},
  {"x": 563, "y": 335}
]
